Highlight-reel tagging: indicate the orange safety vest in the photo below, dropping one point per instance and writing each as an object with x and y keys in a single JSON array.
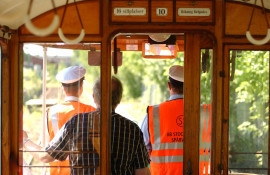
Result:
[
  {"x": 205, "y": 139},
  {"x": 58, "y": 115},
  {"x": 166, "y": 126}
]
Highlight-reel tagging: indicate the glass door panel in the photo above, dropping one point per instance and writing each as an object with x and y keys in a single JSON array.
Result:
[
  {"x": 248, "y": 112},
  {"x": 205, "y": 111}
]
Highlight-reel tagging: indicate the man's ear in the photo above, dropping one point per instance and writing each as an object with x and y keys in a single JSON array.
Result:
[{"x": 169, "y": 85}]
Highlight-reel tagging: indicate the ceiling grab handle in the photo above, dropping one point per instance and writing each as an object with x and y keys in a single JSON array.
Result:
[
  {"x": 21, "y": 12},
  {"x": 69, "y": 41},
  {"x": 41, "y": 31},
  {"x": 249, "y": 36},
  {"x": 258, "y": 42},
  {"x": 61, "y": 34}
]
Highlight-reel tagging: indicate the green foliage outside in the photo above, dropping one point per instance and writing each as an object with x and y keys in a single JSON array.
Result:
[
  {"x": 145, "y": 83},
  {"x": 249, "y": 111}
]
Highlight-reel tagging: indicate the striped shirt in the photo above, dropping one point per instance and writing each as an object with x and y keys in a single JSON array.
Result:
[
  {"x": 127, "y": 147},
  {"x": 79, "y": 139}
]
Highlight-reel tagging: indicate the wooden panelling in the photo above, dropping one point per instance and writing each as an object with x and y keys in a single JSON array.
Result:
[
  {"x": 5, "y": 107},
  {"x": 196, "y": 6},
  {"x": 16, "y": 105},
  {"x": 237, "y": 17},
  {"x": 225, "y": 123},
  {"x": 160, "y": 7},
  {"x": 130, "y": 5},
  {"x": 217, "y": 92},
  {"x": 105, "y": 73},
  {"x": 89, "y": 12},
  {"x": 192, "y": 102}
]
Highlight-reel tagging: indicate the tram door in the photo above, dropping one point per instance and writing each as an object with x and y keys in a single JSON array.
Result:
[
  {"x": 143, "y": 63},
  {"x": 247, "y": 110}
]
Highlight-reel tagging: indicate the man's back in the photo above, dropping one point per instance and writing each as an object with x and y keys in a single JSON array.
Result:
[
  {"x": 127, "y": 147},
  {"x": 77, "y": 139},
  {"x": 166, "y": 137},
  {"x": 58, "y": 115}
]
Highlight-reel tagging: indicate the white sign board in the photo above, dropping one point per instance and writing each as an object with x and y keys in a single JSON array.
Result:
[
  {"x": 194, "y": 11},
  {"x": 119, "y": 11},
  {"x": 131, "y": 47},
  {"x": 162, "y": 11}
]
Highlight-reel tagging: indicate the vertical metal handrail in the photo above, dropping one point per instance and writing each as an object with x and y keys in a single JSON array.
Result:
[{"x": 44, "y": 97}]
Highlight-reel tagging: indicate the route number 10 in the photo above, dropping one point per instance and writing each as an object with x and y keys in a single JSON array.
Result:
[{"x": 161, "y": 11}]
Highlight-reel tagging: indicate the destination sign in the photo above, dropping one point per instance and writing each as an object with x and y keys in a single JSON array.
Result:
[
  {"x": 121, "y": 11},
  {"x": 194, "y": 11},
  {"x": 131, "y": 47}
]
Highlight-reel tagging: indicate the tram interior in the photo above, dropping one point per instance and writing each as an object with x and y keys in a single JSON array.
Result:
[{"x": 229, "y": 75}]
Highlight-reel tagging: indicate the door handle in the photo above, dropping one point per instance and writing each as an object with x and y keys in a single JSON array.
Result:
[{"x": 189, "y": 169}]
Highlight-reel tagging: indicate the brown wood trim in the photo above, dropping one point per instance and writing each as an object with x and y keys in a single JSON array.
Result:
[
  {"x": 174, "y": 11},
  {"x": 105, "y": 108},
  {"x": 225, "y": 131},
  {"x": 192, "y": 101},
  {"x": 55, "y": 38},
  {"x": 20, "y": 101},
  {"x": 246, "y": 47},
  {"x": 5, "y": 113},
  {"x": 101, "y": 15},
  {"x": 149, "y": 11},
  {"x": 218, "y": 90},
  {"x": 14, "y": 102},
  {"x": 105, "y": 71}
]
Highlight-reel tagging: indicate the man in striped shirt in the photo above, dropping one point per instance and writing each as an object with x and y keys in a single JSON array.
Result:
[
  {"x": 128, "y": 153},
  {"x": 79, "y": 138}
]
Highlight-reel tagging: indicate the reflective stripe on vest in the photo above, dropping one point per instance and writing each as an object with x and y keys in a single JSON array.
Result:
[
  {"x": 161, "y": 146},
  {"x": 167, "y": 159},
  {"x": 205, "y": 139},
  {"x": 58, "y": 115},
  {"x": 53, "y": 113},
  {"x": 158, "y": 144}
]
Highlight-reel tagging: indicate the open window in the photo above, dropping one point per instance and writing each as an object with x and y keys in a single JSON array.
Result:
[{"x": 48, "y": 104}]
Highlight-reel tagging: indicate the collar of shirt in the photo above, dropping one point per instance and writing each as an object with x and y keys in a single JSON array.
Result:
[
  {"x": 71, "y": 98},
  {"x": 176, "y": 96}
]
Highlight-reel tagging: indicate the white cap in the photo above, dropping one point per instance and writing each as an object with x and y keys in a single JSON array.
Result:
[
  {"x": 70, "y": 74},
  {"x": 176, "y": 72}
]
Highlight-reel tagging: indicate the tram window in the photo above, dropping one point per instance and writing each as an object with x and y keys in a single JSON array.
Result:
[
  {"x": 205, "y": 111},
  {"x": 248, "y": 112},
  {"x": 60, "y": 103}
]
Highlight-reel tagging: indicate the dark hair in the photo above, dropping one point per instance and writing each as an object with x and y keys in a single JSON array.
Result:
[
  {"x": 177, "y": 86},
  {"x": 73, "y": 87}
]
